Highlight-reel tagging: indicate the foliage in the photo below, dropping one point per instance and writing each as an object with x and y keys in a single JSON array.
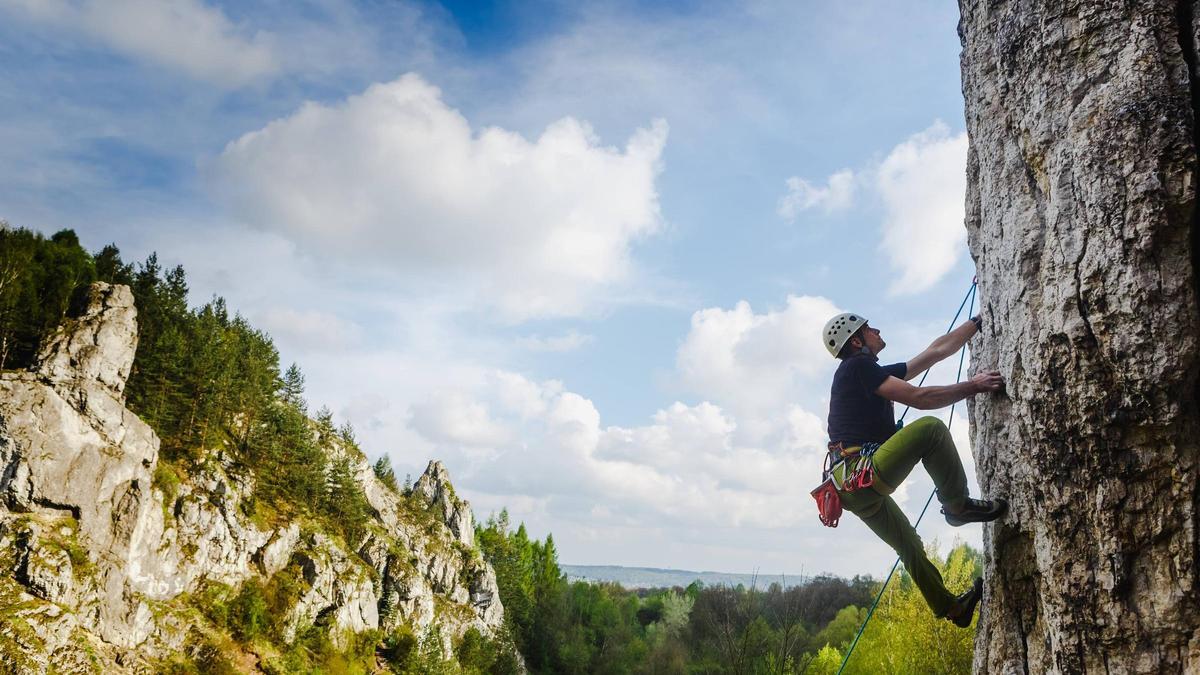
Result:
[
  {"x": 344, "y": 507},
  {"x": 202, "y": 658},
  {"x": 39, "y": 278},
  {"x": 292, "y": 389},
  {"x": 842, "y": 629},
  {"x": 559, "y": 626},
  {"x": 254, "y": 617},
  {"x": 475, "y": 654},
  {"x": 826, "y": 662},
  {"x": 166, "y": 479},
  {"x": 563, "y": 627},
  {"x": 385, "y": 473},
  {"x": 313, "y": 651},
  {"x": 247, "y": 615},
  {"x": 478, "y": 654},
  {"x": 904, "y": 637}
]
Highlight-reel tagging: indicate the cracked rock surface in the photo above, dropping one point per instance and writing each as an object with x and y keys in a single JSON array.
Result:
[{"x": 1081, "y": 214}]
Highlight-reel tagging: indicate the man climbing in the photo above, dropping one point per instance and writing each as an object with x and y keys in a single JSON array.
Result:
[{"x": 870, "y": 457}]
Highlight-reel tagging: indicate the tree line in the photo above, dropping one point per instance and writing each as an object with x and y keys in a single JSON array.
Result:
[{"x": 563, "y": 626}]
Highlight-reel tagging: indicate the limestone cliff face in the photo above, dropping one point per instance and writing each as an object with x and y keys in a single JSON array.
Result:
[
  {"x": 1081, "y": 213},
  {"x": 96, "y": 564}
]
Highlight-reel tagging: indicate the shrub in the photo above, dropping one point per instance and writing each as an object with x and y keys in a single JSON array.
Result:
[{"x": 247, "y": 616}]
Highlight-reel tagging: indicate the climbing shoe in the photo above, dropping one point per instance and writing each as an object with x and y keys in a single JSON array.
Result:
[
  {"x": 963, "y": 610},
  {"x": 976, "y": 511}
]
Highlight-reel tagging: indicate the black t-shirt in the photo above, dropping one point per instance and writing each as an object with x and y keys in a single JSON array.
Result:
[{"x": 856, "y": 413}]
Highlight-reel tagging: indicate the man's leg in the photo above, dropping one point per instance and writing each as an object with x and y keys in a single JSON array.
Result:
[
  {"x": 890, "y": 525},
  {"x": 926, "y": 440}
]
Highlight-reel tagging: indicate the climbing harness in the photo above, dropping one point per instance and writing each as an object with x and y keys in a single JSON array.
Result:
[
  {"x": 958, "y": 378},
  {"x": 829, "y": 502}
]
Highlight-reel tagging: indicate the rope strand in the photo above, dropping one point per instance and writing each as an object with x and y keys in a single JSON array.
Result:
[
  {"x": 961, "y": 358},
  {"x": 969, "y": 296}
]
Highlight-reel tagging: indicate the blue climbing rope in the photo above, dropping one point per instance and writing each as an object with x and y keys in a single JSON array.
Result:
[
  {"x": 969, "y": 296},
  {"x": 961, "y": 358}
]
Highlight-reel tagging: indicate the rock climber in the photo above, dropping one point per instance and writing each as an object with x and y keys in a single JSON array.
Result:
[{"x": 864, "y": 437}]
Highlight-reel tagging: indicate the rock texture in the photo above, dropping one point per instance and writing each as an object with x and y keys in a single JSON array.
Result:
[
  {"x": 1081, "y": 213},
  {"x": 96, "y": 562}
]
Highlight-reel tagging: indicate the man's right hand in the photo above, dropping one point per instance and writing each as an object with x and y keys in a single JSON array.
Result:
[{"x": 992, "y": 380}]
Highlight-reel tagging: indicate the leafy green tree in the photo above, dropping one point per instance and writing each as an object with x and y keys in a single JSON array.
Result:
[
  {"x": 675, "y": 611},
  {"x": 820, "y": 598},
  {"x": 157, "y": 387},
  {"x": 17, "y": 296},
  {"x": 827, "y": 662},
  {"x": 841, "y": 630},
  {"x": 904, "y": 637}
]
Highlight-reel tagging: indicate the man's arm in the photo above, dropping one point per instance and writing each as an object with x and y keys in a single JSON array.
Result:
[
  {"x": 929, "y": 398},
  {"x": 939, "y": 349}
]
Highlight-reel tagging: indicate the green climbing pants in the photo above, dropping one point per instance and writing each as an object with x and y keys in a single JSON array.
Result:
[{"x": 926, "y": 440}]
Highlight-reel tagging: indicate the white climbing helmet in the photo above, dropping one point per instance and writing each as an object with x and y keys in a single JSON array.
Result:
[{"x": 839, "y": 329}]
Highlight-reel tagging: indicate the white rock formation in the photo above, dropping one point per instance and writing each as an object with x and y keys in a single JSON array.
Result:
[
  {"x": 92, "y": 563},
  {"x": 434, "y": 486}
]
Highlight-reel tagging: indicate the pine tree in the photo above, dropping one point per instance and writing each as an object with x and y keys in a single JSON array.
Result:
[
  {"x": 110, "y": 268},
  {"x": 344, "y": 505},
  {"x": 293, "y": 387},
  {"x": 385, "y": 473},
  {"x": 39, "y": 280},
  {"x": 346, "y": 433},
  {"x": 16, "y": 291}
]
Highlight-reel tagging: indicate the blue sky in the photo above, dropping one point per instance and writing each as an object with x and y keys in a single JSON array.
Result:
[{"x": 578, "y": 251}]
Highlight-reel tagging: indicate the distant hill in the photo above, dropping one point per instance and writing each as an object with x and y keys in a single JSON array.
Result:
[{"x": 653, "y": 577}]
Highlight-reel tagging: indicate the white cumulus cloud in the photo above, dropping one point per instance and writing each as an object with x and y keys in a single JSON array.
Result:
[
  {"x": 184, "y": 35},
  {"x": 453, "y": 417},
  {"x": 395, "y": 177},
  {"x": 923, "y": 184},
  {"x": 756, "y": 364},
  {"x": 837, "y": 194},
  {"x": 685, "y": 466}
]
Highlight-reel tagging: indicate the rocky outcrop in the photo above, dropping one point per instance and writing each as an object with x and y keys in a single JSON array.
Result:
[
  {"x": 434, "y": 486},
  {"x": 96, "y": 562},
  {"x": 1081, "y": 214},
  {"x": 335, "y": 583}
]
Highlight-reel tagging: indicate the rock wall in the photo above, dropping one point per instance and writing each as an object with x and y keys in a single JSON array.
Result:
[
  {"x": 96, "y": 562},
  {"x": 1081, "y": 213}
]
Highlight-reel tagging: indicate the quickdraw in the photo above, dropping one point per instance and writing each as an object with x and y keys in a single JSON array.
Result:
[
  {"x": 829, "y": 502},
  {"x": 863, "y": 475}
]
